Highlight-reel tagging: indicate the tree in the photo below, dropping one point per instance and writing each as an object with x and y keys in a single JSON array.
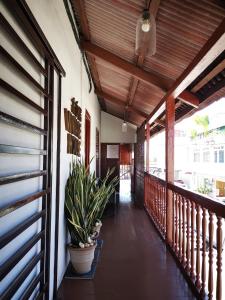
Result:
[{"x": 201, "y": 124}]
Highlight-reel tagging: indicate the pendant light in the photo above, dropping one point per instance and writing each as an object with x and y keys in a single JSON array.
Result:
[
  {"x": 124, "y": 126},
  {"x": 145, "y": 34}
]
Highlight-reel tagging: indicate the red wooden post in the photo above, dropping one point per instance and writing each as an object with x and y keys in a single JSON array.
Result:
[
  {"x": 147, "y": 146},
  {"x": 170, "y": 118}
]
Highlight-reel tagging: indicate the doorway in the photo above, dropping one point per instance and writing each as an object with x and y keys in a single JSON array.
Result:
[
  {"x": 126, "y": 171},
  {"x": 87, "y": 138}
]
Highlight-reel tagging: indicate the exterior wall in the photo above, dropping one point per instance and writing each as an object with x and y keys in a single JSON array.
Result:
[
  {"x": 52, "y": 18},
  {"x": 207, "y": 169},
  {"x": 111, "y": 130}
]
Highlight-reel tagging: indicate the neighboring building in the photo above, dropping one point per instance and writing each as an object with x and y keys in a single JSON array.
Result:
[
  {"x": 199, "y": 159},
  {"x": 208, "y": 162}
]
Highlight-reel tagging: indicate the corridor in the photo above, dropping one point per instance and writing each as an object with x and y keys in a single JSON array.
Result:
[{"x": 134, "y": 264}]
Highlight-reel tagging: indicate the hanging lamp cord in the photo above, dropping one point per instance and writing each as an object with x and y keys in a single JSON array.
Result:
[{"x": 74, "y": 25}]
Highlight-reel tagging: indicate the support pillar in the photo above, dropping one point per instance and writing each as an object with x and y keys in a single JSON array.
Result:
[
  {"x": 170, "y": 120},
  {"x": 147, "y": 147}
]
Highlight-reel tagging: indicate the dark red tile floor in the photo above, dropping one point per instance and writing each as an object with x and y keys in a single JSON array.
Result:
[{"x": 134, "y": 264}]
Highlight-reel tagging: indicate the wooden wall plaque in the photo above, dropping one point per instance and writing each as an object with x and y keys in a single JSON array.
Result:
[{"x": 73, "y": 127}]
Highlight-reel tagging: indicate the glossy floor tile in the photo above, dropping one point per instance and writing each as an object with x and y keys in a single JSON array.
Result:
[{"x": 134, "y": 264}]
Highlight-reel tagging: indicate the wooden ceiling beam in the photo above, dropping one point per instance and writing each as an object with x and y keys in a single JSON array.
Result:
[
  {"x": 121, "y": 103},
  {"x": 119, "y": 117},
  {"x": 149, "y": 78},
  {"x": 209, "y": 52},
  {"x": 219, "y": 68},
  {"x": 160, "y": 122},
  {"x": 189, "y": 98}
]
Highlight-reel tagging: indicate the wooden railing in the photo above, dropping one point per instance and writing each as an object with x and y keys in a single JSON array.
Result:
[
  {"x": 197, "y": 234},
  {"x": 155, "y": 201}
]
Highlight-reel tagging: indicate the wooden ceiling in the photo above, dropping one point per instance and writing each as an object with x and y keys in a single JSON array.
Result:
[{"x": 134, "y": 85}]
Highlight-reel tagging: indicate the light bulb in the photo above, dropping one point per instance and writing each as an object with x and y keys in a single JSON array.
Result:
[
  {"x": 145, "y": 25},
  {"x": 124, "y": 127}
]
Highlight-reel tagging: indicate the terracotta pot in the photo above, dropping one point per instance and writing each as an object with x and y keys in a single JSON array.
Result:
[{"x": 81, "y": 258}]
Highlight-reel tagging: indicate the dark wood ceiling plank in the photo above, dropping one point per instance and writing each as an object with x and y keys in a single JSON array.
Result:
[
  {"x": 80, "y": 6},
  {"x": 119, "y": 117},
  {"x": 121, "y": 103},
  {"x": 153, "y": 9},
  {"x": 147, "y": 77}
]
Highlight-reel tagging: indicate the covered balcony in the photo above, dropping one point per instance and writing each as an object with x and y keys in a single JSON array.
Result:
[{"x": 96, "y": 81}]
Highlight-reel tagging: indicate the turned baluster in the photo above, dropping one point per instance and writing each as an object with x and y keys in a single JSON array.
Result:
[
  {"x": 180, "y": 228},
  {"x": 161, "y": 195},
  {"x": 164, "y": 208},
  {"x": 188, "y": 238},
  {"x": 219, "y": 259},
  {"x": 184, "y": 235},
  {"x": 174, "y": 221},
  {"x": 204, "y": 225},
  {"x": 198, "y": 282},
  {"x": 176, "y": 229},
  {"x": 151, "y": 197},
  {"x": 161, "y": 207},
  {"x": 192, "y": 240},
  {"x": 210, "y": 279},
  {"x": 145, "y": 190},
  {"x": 148, "y": 192},
  {"x": 158, "y": 206},
  {"x": 155, "y": 204}
]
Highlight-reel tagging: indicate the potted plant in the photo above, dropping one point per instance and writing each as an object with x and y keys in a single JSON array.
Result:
[{"x": 85, "y": 200}]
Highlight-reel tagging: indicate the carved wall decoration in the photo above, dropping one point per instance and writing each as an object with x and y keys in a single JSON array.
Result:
[{"x": 73, "y": 127}]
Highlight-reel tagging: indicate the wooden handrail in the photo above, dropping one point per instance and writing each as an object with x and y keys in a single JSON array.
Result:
[
  {"x": 160, "y": 180},
  {"x": 206, "y": 202},
  {"x": 191, "y": 243}
]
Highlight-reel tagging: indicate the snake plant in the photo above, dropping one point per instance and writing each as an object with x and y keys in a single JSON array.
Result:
[{"x": 85, "y": 199}]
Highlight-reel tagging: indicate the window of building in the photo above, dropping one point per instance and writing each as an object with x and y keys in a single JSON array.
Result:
[
  {"x": 197, "y": 157},
  {"x": 215, "y": 156},
  {"x": 221, "y": 156},
  {"x": 206, "y": 156}
]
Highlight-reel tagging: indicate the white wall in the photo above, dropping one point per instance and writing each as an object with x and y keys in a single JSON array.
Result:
[
  {"x": 53, "y": 20},
  {"x": 111, "y": 130},
  {"x": 11, "y": 164}
]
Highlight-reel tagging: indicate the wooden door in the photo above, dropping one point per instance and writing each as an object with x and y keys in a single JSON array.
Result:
[
  {"x": 87, "y": 138},
  {"x": 97, "y": 152},
  {"x": 110, "y": 157},
  {"x": 125, "y": 154}
]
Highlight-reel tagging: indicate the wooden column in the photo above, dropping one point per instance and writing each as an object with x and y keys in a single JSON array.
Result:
[
  {"x": 170, "y": 118},
  {"x": 147, "y": 147}
]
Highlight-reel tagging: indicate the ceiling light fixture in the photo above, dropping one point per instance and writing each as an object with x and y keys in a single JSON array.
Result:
[
  {"x": 145, "y": 34},
  {"x": 145, "y": 21},
  {"x": 124, "y": 126}
]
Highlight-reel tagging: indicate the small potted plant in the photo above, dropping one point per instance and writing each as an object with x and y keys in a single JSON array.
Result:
[{"x": 85, "y": 200}]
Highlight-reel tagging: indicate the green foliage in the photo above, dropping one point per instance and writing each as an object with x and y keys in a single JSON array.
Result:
[
  {"x": 203, "y": 189},
  {"x": 203, "y": 122},
  {"x": 85, "y": 199},
  {"x": 194, "y": 133}
]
